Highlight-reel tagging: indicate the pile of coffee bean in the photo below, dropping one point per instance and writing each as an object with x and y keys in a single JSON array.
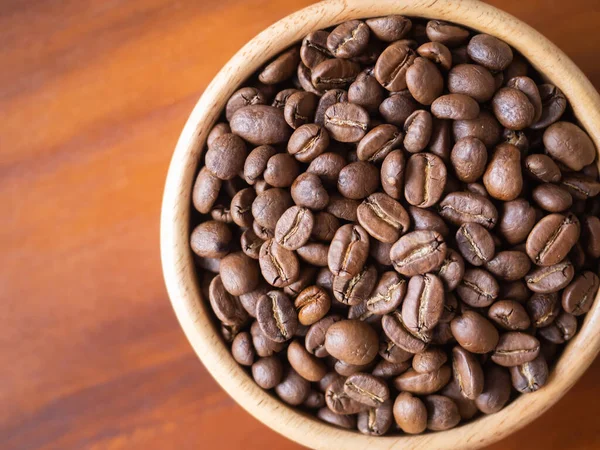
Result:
[{"x": 398, "y": 225}]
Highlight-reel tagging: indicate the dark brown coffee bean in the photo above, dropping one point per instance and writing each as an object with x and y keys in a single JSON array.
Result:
[
  {"x": 390, "y": 352},
  {"x": 281, "y": 68},
  {"x": 282, "y": 96},
  {"x": 546, "y": 280},
  {"x": 423, "y": 383},
  {"x": 417, "y": 128},
  {"x": 245, "y": 96},
  {"x": 425, "y": 179},
  {"x": 315, "y": 337},
  {"x": 208, "y": 264},
  {"x": 307, "y": 278},
  {"x": 396, "y": 331},
  {"x": 577, "y": 255},
  {"x": 463, "y": 207},
  {"x": 554, "y": 104},
  {"x": 366, "y": 389},
  {"x": 388, "y": 294},
  {"x": 260, "y": 125},
  {"x": 225, "y": 159},
  {"x": 358, "y": 180},
  {"x": 211, "y": 239},
  {"x": 263, "y": 345},
  {"x": 386, "y": 370},
  {"x": 452, "y": 270},
  {"x": 329, "y": 98},
  {"x": 590, "y": 233},
  {"x": 475, "y": 243},
  {"x": 424, "y": 219},
  {"x": 429, "y": 360},
  {"x": 530, "y": 89},
  {"x": 281, "y": 170},
  {"x": 256, "y": 163},
  {"x": 366, "y": 92},
  {"x": 424, "y": 81},
  {"x": 242, "y": 349},
  {"x": 352, "y": 341},
  {"x": 516, "y": 221},
  {"x": 314, "y": 400},
  {"x": 380, "y": 252},
  {"x": 300, "y": 108},
  {"x": 446, "y": 33},
  {"x": 314, "y": 49},
  {"x": 314, "y": 253},
  {"x": 442, "y": 334},
  {"x": 392, "y": 174},
  {"x": 513, "y": 109},
  {"x": 269, "y": 206},
  {"x": 279, "y": 266},
  {"x": 552, "y": 238},
  {"x": 276, "y": 316},
  {"x": 410, "y": 413},
  {"x": 343, "y": 208},
  {"x": 346, "y": 122},
  {"x": 418, "y": 252},
  {"x": 379, "y": 142},
  {"x": 263, "y": 233},
  {"x": 542, "y": 168},
  {"x": 334, "y": 74},
  {"x": 267, "y": 372},
  {"x": 221, "y": 213},
  {"x": 437, "y": 53},
  {"x": 360, "y": 312},
  {"x": 353, "y": 290},
  {"x": 307, "y": 142},
  {"x": 312, "y": 304},
  {"x": 531, "y": 376},
  {"x": 472, "y": 80},
  {"x": 515, "y": 348},
  {"x": 348, "y": 39},
  {"x": 383, "y": 217},
  {"x": 308, "y": 191},
  {"x": 390, "y": 28},
  {"x": 485, "y": 128},
  {"x": 578, "y": 297},
  {"x": 325, "y": 226},
  {"x": 327, "y": 166},
  {"x": 569, "y": 145},
  {"x": 552, "y": 198},
  {"x": 467, "y": 373},
  {"x": 206, "y": 190},
  {"x": 543, "y": 309},
  {"x": 510, "y": 265},
  {"x": 398, "y": 107},
  {"x": 349, "y": 250},
  {"x": 510, "y": 315},
  {"x": 293, "y": 389},
  {"x": 423, "y": 305},
  {"x": 306, "y": 365},
  {"x": 339, "y": 401},
  {"x": 466, "y": 407},
  {"x": 441, "y": 141},
  {"x": 294, "y": 227},
  {"x": 392, "y": 65},
  {"x": 469, "y": 159},
  {"x": 219, "y": 129},
  {"x": 241, "y": 207},
  {"x": 478, "y": 288},
  {"x": 339, "y": 420},
  {"x": 376, "y": 421},
  {"x": 496, "y": 391},
  {"x": 239, "y": 273},
  {"x": 455, "y": 107},
  {"x": 581, "y": 187},
  {"x": 561, "y": 330},
  {"x": 250, "y": 299},
  {"x": 503, "y": 178},
  {"x": 474, "y": 332},
  {"x": 490, "y": 52},
  {"x": 226, "y": 307}
]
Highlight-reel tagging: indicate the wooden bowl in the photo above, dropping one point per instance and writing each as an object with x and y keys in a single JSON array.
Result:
[{"x": 193, "y": 311}]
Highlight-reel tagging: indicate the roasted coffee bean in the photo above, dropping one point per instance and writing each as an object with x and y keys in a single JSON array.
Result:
[
  {"x": 343, "y": 208},
  {"x": 552, "y": 239},
  {"x": 455, "y": 107},
  {"x": 425, "y": 179},
  {"x": 361, "y": 312},
  {"x": 240, "y": 209},
  {"x": 516, "y": 221},
  {"x": 503, "y": 178},
  {"x": 477, "y": 188},
  {"x": 442, "y": 334},
  {"x": 385, "y": 369},
  {"x": 327, "y": 166},
  {"x": 260, "y": 125},
  {"x": 542, "y": 168},
  {"x": 225, "y": 158},
  {"x": 339, "y": 420},
  {"x": 466, "y": 407},
  {"x": 256, "y": 163},
  {"x": 348, "y": 39},
  {"x": 429, "y": 360},
  {"x": 380, "y": 252},
  {"x": 578, "y": 296},
  {"x": 267, "y": 372},
  {"x": 513, "y": 109},
  {"x": 467, "y": 373},
  {"x": 463, "y": 207},
  {"x": 441, "y": 142},
  {"x": 473, "y": 80},
  {"x": 279, "y": 266},
  {"x": 552, "y": 198},
  {"x": 352, "y": 341},
  {"x": 392, "y": 174},
  {"x": 331, "y": 97},
  {"x": 276, "y": 316},
  {"x": 561, "y": 330},
  {"x": 314, "y": 253},
  {"x": 392, "y": 65},
  {"x": 245, "y": 96},
  {"x": 590, "y": 233},
  {"x": 509, "y": 315},
  {"x": 517, "y": 138},
  {"x": 543, "y": 309},
  {"x": 346, "y": 122},
  {"x": 496, "y": 390},
  {"x": 388, "y": 294},
  {"x": 383, "y": 217},
  {"x": 379, "y": 142},
  {"x": 226, "y": 307},
  {"x": 366, "y": 92},
  {"x": 475, "y": 243},
  {"x": 339, "y": 402},
  {"x": 510, "y": 265},
  {"x": 358, "y": 180},
  {"x": 577, "y": 256},
  {"x": 437, "y": 53},
  {"x": 315, "y": 337},
  {"x": 281, "y": 68},
  {"x": 325, "y": 226},
  {"x": 389, "y": 28},
  {"x": 469, "y": 159},
  {"x": 349, "y": 250},
  {"x": 410, "y": 413},
  {"x": 314, "y": 49},
  {"x": 307, "y": 278},
  {"x": 211, "y": 239},
  {"x": 206, "y": 190},
  {"x": 490, "y": 52},
  {"x": 269, "y": 206},
  {"x": 478, "y": 288},
  {"x": 424, "y": 81},
  {"x": 423, "y": 305},
  {"x": 390, "y": 352},
  {"x": 376, "y": 421},
  {"x": 354, "y": 289},
  {"x": 550, "y": 279},
  {"x": 306, "y": 365},
  {"x": 452, "y": 270},
  {"x": 569, "y": 145},
  {"x": 345, "y": 369},
  {"x": 300, "y": 108},
  {"x": 293, "y": 389},
  {"x": 239, "y": 273},
  {"x": 263, "y": 345},
  {"x": 485, "y": 128},
  {"x": 314, "y": 400},
  {"x": 312, "y": 304},
  {"x": 366, "y": 389},
  {"x": 425, "y": 219},
  {"x": 528, "y": 87},
  {"x": 554, "y": 104},
  {"x": 282, "y": 96},
  {"x": 418, "y": 128},
  {"x": 242, "y": 349},
  {"x": 418, "y": 252},
  {"x": 308, "y": 191},
  {"x": 281, "y": 170},
  {"x": 446, "y": 33},
  {"x": 398, "y": 107},
  {"x": 294, "y": 227},
  {"x": 396, "y": 331},
  {"x": 334, "y": 74},
  {"x": 263, "y": 233},
  {"x": 474, "y": 332},
  {"x": 515, "y": 348},
  {"x": 581, "y": 187},
  {"x": 308, "y": 142},
  {"x": 219, "y": 129},
  {"x": 250, "y": 299},
  {"x": 531, "y": 376},
  {"x": 423, "y": 383}
]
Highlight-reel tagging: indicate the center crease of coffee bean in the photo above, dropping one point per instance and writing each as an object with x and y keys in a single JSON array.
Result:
[
  {"x": 386, "y": 296},
  {"x": 553, "y": 239},
  {"x": 362, "y": 391},
  {"x": 525, "y": 370},
  {"x": 278, "y": 319},
  {"x": 517, "y": 352},
  {"x": 372, "y": 420},
  {"x": 478, "y": 216},
  {"x": 295, "y": 226},
  {"x": 347, "y": 122},
  {"x": 310, "y": 143},
  {"x": 477, "y": 289},
  {"x": 558, "y": 268},
  {"x": 473, "y": 244},
  {"x": 278, "y": 268},
  {"x": 423, "y": 305},
  {"x": 355, "y": 239},
  {"x": 419, "y": 253},
  {"x": 379, "y": 212}
]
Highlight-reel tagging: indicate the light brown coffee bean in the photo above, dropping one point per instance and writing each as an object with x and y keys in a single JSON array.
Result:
[
  {"x": 306, "y": 365},
  {"x": 379, "y": 142},
  {"x": 455, "y": 107},
  {"x": 396, "y": 331},
  {"x": 312, "y": 304},
  {"x": 417, "y": 131},
  {"x": 294, "y": 227},
  {"x": 376, "y": 421},
  {"x": 392, "y": 65},
  {"x": 515, "y": 348},
  {"x": 353, "y": 290},
  {"x": 463, "y": 207},
  {"x": 429, "y": 360},
  {"x": 531, "y": 376},
  {"x": 352, "y": 341},
  {"x": 366, "y": 389},
  {"x": 474, "y": 332},
  {"x": 423, "y": 305},
  {"x": 446, "y": 33},
  {"x": 410, "y": 413},
  {"x": 281, "y": 68},
  {"x": 307, "y": 142},
  {"x": 346, "y": 122},
  {"x": 392, "y": 174},
  {"x": 569, "y": 145},
  {"x": 510, "y": 265},
  {"x": 424, "y": 81},
  {"x": 239, "y": 273},
  {"x": 503, "y": 178},
  {"x": 437, "y": 53},
  {"x": 473, "y": 80},
  {"x": 423, "y": 383},
  {"x": 516, "y": 220},
  {"x": 390, "y": 28},
  {"x": 383, "y": 217}
]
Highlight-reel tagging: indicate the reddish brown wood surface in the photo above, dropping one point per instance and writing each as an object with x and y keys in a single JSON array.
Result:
[{"x": 93, "y": 95}]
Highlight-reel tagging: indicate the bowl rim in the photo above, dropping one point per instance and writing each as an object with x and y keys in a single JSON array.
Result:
[{"x": 177, "y": 259}]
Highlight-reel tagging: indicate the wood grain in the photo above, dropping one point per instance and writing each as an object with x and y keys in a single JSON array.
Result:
[{"x": 93, "y": 96}]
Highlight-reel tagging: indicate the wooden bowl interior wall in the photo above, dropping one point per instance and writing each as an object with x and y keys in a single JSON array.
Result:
[{"x": 180, "y": 275}]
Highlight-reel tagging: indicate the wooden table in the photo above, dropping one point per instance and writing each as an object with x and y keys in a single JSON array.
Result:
[{"x": 93, "y": 95}]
